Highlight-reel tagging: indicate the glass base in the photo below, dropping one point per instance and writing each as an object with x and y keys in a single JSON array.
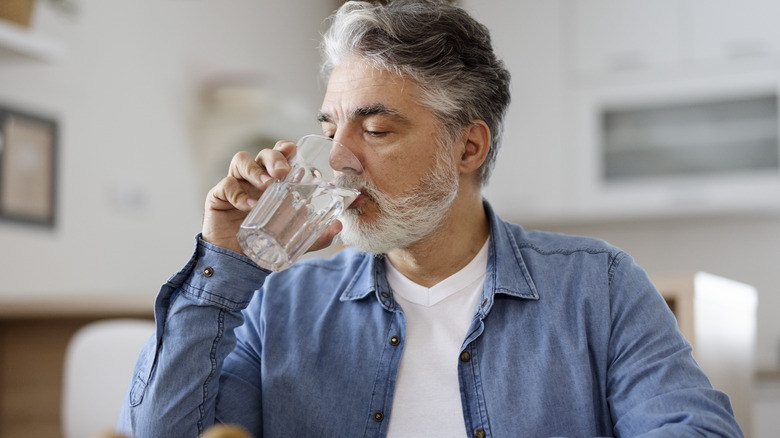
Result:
[{"x": 263, "y": 249}]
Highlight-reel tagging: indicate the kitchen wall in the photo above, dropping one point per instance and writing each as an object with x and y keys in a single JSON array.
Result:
[
  {"x": 126, "y": 92},
  {"x": 131, "y": 184}
]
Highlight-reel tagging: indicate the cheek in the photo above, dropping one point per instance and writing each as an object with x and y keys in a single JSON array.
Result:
[
  {"x": 397, "y": 168},
  {"x": 396, "y": 177}
]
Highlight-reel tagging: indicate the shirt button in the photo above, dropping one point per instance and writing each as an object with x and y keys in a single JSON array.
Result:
[
  {"x": 465, "y": 357},
  {"x": 378, "y": 416},
  {"x": 395, "y": 340},
  {"x": 479, "y": 433},
  {"x": 208, "y": 271}
]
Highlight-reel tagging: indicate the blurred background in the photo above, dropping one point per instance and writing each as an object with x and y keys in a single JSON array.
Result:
[{"x": 652, "y": 124}]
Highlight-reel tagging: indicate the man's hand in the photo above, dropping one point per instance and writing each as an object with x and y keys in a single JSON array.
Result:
[{"x": 229, "y": 202}]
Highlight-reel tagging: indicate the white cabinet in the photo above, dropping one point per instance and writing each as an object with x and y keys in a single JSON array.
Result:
[
  {"x": 723, "y": 30},
  {"x": 612, "y": 36},
  {"x": 659, "y": 57},
  {"x": 690, "y": 154},
  {"x": 616, "y": 35}
]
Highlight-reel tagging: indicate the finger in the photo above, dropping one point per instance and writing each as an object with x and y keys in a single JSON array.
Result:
[
  {"x": 327, "y": 237},
  {"x": 244, "y": 167},
  {"x": 232, "y": 193},
  {"x": 287, "y": 148},
  {"x": 248, "y": 176},
  {"x": 275, "y": 161}
]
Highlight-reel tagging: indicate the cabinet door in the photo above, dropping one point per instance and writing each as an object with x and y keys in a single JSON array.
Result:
[
  {"x": 616, "y": 35},
  {"x": 731, "y": 29}
]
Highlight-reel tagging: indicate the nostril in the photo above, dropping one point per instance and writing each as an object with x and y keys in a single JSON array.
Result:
[{"x": 350, "y": 171}]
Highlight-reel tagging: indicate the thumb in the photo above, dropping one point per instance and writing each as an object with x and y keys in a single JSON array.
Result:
[{"x": 327, "y": 237}]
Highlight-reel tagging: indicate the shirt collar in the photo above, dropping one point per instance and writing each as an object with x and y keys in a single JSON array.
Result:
[
  {"x": 506, "y": 271},
  {"x": 370, "y": 278}
]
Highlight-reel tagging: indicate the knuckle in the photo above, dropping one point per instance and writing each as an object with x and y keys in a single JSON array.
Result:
[
  {"x": 281, "y": 144},
  {"x": 240, "y": 157}
]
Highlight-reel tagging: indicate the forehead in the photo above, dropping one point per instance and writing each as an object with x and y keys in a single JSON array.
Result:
[{"x": 355, "y": 86}]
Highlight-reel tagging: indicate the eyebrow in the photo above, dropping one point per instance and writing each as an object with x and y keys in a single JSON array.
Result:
[{"x": 377, "y": 109}]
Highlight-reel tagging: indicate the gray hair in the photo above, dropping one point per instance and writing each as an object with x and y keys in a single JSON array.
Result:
[{"x": 439, "y": 46}]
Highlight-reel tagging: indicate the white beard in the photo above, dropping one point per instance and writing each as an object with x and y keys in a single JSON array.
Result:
[{"x": 403, "y": 221}]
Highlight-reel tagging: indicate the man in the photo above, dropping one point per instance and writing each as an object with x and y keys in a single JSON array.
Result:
[{"x": 441, "y": 319}]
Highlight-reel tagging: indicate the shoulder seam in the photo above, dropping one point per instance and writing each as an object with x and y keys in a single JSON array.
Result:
[{"x": 613, "y": 253}]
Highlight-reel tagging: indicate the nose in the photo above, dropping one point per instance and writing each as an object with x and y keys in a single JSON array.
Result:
[{"x": 343, "y": 160}]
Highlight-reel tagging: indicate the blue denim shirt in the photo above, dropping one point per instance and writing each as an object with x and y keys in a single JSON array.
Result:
[{"x": 570, "y": 338}]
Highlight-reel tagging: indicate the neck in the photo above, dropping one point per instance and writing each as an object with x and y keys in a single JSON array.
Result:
[{"x": 459, "y": 238}]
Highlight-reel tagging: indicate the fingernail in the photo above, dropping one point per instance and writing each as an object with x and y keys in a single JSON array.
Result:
[
  {"x": 251, "y": 202},
  {"x": 281, "y": 165},
  {"x": 264, "y": 178}
]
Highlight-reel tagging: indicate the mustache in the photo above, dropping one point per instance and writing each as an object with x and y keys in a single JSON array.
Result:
[{"x": 359, "y": 184}]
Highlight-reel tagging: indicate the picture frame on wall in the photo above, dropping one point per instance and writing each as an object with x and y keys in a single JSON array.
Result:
[{"x": 28, "y": 155}]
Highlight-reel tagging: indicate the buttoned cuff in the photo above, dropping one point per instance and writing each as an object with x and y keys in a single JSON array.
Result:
[{"x": 222, "y": 277}]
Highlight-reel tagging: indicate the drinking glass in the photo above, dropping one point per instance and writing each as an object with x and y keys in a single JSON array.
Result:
[{"x": 293, "y": 212}]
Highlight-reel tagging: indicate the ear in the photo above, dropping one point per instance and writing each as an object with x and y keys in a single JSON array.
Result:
[{"x": 475, "y": 148}]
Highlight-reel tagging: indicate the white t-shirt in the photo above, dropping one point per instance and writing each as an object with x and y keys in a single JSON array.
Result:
[{"x": 427, "y": 394}]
